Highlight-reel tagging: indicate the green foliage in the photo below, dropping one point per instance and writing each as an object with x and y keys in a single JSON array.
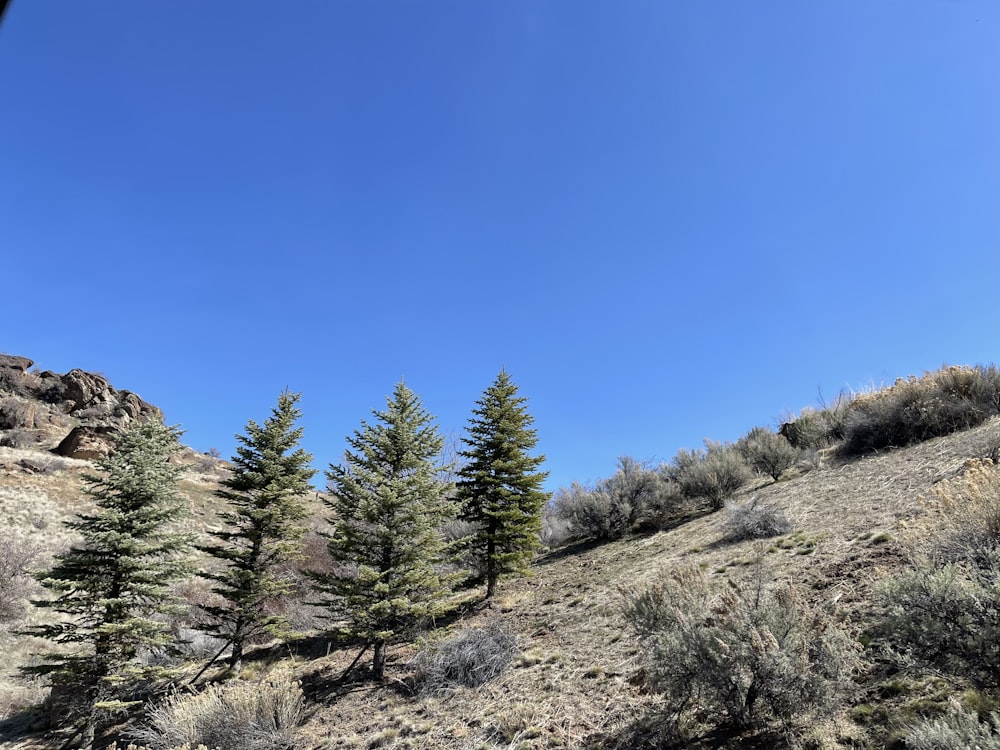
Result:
[
  {"x": 959, "y": 730},
  {"x": 748, "y": 654},
  {"x": 238, "y": 715},
  {"x": 767, "y": 452},
  {"x": 634, "y": 495},
  {"x": 114, "y": 587},
  {"x": 388, "y": 504},
  {"x": 500, "y": 487},
  {"x": 470, "y": 659},
  {"x": 715, "y": 473},
  {"x": 917, "y": 409},
  {"x": 265, "y": 512}
]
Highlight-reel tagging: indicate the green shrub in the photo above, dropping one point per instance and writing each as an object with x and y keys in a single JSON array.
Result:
[
  {"x": 467, "y": 660},
  {"x": 945, "y": 619},
  {"x": 917, "y": 409},
  {"x": 767, "y": 452},
  {"x": 754, "y": 520},
  {"x": 714, "y": 474},
  {"x": 745, "y": 655},
  {"x": 232, "y": 716},
  {"x": 959, "y": 730}
]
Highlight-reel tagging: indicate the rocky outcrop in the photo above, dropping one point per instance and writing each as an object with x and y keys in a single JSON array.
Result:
[{"x": 77, "y": 413}]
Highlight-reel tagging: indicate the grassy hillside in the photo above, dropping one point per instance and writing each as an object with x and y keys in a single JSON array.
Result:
[{"x": 580, "y": 677}]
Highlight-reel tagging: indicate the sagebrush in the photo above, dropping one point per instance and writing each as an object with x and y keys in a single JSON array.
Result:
[
  {"x": 958, "y": 730},
  {"x": 232, "y": 716},
  {"x": 745, "y": 655}
]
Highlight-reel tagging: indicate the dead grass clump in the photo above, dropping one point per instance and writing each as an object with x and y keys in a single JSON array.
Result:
[
  {"x": 966, "y": 524},
  {"x": 744, "y": 654},
  {"x": 238, "y": 715},
  {"x": 468, "y": 660},
  {"x": 754, "y": 520}
]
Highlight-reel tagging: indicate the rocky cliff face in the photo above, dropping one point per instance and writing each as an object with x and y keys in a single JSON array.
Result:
[{"x": 74, "y": 415}]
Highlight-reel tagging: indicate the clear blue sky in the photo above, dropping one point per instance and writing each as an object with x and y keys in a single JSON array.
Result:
[{"x": 668, "y": 220}]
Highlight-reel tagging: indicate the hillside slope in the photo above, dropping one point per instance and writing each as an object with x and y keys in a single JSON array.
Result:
[{"x": 579, "y": 680}]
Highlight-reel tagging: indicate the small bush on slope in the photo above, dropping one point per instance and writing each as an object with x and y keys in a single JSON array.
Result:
[
  {"x": 17, "y": 555},
  {"x": 945, "y": 619},
  {"x": 944, "y": 614},
  {"x": 754, "y": 520},
  {"x": 233, "y": 716},
  {"x": 467, "y": 660},
  {"x": 767, "y": 452},
  {"x": 635, "y": 494},
  {"x": 748, "y": 654},
  {"x": 715, "y": 473}
]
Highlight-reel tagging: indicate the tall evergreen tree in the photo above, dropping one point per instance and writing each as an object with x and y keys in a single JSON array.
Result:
[
  {"x": 112, "y": 585},
  {"x": 265, "y": 493},
  {"x": 388, "y": 502},
  {"x": 499, "y": 487}
]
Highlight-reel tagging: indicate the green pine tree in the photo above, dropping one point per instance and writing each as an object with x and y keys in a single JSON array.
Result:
[
  {"x": 264, "y": 525},
  {"x": 388, "y": 503},
  {"x": 114, "y": 586},
  {"x": 499, "y": 487}
]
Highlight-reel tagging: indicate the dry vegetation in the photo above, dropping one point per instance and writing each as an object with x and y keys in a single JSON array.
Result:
[{"x": 573, "y": 674}]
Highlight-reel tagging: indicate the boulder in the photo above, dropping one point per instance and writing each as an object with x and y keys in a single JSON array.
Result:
[
  {"x": 87, "y": 442},
  {"x": 21, "y": 364}
]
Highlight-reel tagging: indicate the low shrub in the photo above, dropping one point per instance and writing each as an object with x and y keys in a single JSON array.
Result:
[
  {"x": 815, "y": 429},
  {"x": 469, "y": 659},
  {"x": 635, "y": 494},
  {"x": 17, "y": 555},
  {"x": 767, "y": 452},
  {"x": 235, "y": 715},
  {"x": 714, "y": 474},
  {"x": 958, "y": 730},
  {"x": 945, "y": 619},
  {"x": 591, "y": 513},
  {"x": 754, "y": 520},
  {"x": 917, "y": 409},
  {"x": 745, "y": 655}
]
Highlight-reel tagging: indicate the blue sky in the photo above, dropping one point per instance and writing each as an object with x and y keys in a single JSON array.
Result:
[{"x": 668, "y": 220}]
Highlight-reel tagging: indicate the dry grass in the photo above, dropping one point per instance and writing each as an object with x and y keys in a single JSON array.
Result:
[{"x": 578, "y": 682}]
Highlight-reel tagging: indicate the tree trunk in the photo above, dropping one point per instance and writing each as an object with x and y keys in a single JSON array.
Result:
[
  {"x": 491, "y": 567},
  {"x": 236, "y": 657},
  {"x": 378, "y": 662},
  {"x": 491, "y": 584}
]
